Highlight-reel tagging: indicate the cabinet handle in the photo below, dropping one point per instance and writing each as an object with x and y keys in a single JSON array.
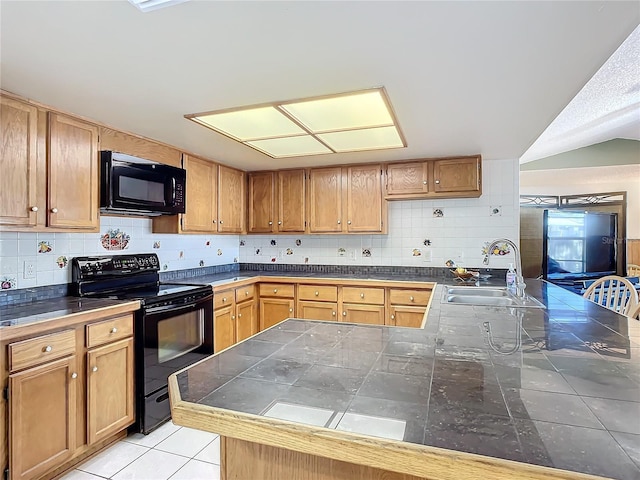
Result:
[
  {"x": 437, "y": 182},
  {"x": 239, "y": 315},
  {"x": 247, "y": 292},
  {"x": 411, "y": 298},
  {"x": 213, "y": 221},
  {"x": 114, "y": 330},
  {"x": 221, "y": 222},
  {"x": 275, "y": 290},
  {"x": 362, "y": 295},
  {"x": 348, "y": 222},
  {"x": 291, "y": 310},
  {"x": 424, "y": 182},
  {"x": 48, "y": 348},
  {"x": 339, "y": 222},
  {"x": 333, "y": 313},
  {"x": 54, "y": 210},
  {"x": 280, "y": 222},
  {"x": 34, "y": 209},
  {"x": 270, "y": 223},
  {"x": 94, "y": 369},
  {"x": 344, "y": 314},
  {"x": 393, "y": 317},
  {"x": 224, "y": 299},
  {"x": 74, "y": 375},
  {"x": 317, "y": 293},
  {"x": 233, "y": 317}
]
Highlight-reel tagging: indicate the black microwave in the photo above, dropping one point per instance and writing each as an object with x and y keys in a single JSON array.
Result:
[{"x": 135, "y": 186}]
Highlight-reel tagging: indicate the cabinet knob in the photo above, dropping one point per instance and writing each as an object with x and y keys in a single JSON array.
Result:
[
  {"x": 275, "y": 290},
  {"x": 48, "y": 348},
  {"x": 213, "y": 221},
  {"x": 270, "y": 223},
  {"x": 437, "y": 181},
  {"x": 94, "y": 369},
  {"x": 233, "y": 317},
  {"x": 362, "y": 295},
  {"x": 224, "y": 299},
  {"x": 54, "y": 210},
  {"x": 280, "y": 222},
  {"x": 74, "y": 375},
  {"x": 333, "y": 314},
  {"x": 291, "y": 310},
  {"x": 246, "y": 292},
  {"x": 424, "y": 182},
  {"x": 114, "y": 330},
  {"x": 339, "y": 222},
  {"x": 34, "y": 209},
  {"x": 393, "y": 317},
  {"x": 411, "y": 299},
  {"x": 348, "y": 222},
  {"x": 239, "y": 315},
  {"x": 317, "y": 293},
  {"x": 221, "y": 222},
  {"x": 344, "y": 314}
]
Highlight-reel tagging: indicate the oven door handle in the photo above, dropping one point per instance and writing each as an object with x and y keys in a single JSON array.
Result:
[{"x": 169, "y": 308}]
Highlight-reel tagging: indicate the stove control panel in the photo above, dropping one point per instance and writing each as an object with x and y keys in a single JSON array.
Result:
[{"x": 113, "y": 265}]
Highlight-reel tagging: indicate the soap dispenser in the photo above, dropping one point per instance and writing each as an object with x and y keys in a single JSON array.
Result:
[{"x": 511, "y": 277}]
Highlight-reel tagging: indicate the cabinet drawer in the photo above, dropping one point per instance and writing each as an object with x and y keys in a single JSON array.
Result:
[
  {"x": 34, "y": 351},
  {"x": 245, "y": 293},
  {"x": 224, "y": 299},
  {"x": 399, "y": 296},
  {"x": 276, "y": 290},
  {"x": 320, "y": 293},
  {"x": 109, "y": 330},
  {"x": 368, "y": 295}
]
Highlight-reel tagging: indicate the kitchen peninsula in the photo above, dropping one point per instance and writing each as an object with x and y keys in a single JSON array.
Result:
[{"x": 479, "y": 392}]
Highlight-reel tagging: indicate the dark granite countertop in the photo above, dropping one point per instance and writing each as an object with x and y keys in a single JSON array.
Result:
[
  {"x": 23, "y": 314},
  {"x": 558, "y": 387}
]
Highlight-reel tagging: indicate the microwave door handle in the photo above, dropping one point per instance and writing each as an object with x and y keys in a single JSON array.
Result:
[{"x": 168, "y": 308}]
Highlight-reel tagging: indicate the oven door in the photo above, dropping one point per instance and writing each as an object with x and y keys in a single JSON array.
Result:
[{"x": 174, "y": 337}]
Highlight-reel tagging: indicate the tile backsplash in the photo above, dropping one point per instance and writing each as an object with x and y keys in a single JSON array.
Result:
[{"x": 422, "y": 233}]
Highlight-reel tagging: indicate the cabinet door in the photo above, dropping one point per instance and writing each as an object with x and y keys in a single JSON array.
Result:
[
  {"x": 224, "y": 320},
  {"x": 42, "y": 419},
  {"x": 18, "y": 156},
  {"x": 364, "y": 198},
  {"x": 274, "y": 310},
  {"x": 291, "y": 201},
  {"x": 456, "y": 175},
  {"x": 201, "y": 213},
  {"x": 73, "y": 173},
  {"x": 230, "y": 200},
  {"x": 110, "y": 398},
  {"x": 407, "y": 179},
  {"x": 318, "y": 310},
  {"x": 363, "y": 314},
  {"x": 406, "y": 316},
  {"x": 246, "y": 320},
  {"x": 261, "y": 203},
  {"x": 325, "y": 200}
]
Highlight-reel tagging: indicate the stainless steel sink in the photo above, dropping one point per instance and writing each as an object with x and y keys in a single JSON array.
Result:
[{"x": 487, "y": 296}]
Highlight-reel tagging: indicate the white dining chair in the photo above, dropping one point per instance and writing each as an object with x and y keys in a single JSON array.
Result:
[{"x": 613, "y": 292}]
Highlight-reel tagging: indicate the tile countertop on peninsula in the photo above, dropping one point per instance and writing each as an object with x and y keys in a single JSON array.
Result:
[{"x": 552, "y": 394}]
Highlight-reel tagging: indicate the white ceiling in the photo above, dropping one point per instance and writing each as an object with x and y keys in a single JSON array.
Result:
[{"x": 463, "y": 77}]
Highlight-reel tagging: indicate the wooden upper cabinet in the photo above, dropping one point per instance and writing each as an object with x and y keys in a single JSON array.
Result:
[
  {"x": 18, "y": 160},
  {"x": 325, "y": 200},
  {"x": 291, "y": 197},
  {"x": 231, "y": 203},
  {"x": 407, "y": 178},
  {"x": 261, "y": 202},
  {"x": 365, "y": 207},
  {"x": 201, "y": 214},
  {"x": 434, "y": 178},
  {"x": 456, "y": 175},
  {"x": 73, "y": 173}
]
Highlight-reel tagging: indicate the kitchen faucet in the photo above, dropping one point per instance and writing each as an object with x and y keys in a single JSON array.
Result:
[{"x": 520, "y": 285}]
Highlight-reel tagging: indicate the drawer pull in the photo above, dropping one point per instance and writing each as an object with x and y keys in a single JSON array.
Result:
[
  {"x": 393, "y": 317},
  {"x": 114, "y": 330},
  {"x": 224, "y": 299},
  {"x": 48, "y": 348},
  {"x": 317, "y": 293},
  {"x": 74, "y": 375},
  {"x": 275, "y": 290},
  {"x": 411, "y": 299},
  {"x": 362, "y": 295},
  {"x": 246, "y": 292},
  {"x": 94, "y": 369},
  {"x": 333, "y": 313}
]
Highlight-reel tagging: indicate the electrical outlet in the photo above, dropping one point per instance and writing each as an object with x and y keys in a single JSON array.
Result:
[
  {"x": 29, "y": 270},
  {"x": 427, "y": 255},
  {"x": 352, "y": 253}
]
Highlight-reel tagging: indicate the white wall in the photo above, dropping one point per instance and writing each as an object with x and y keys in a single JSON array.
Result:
[
  {"x": 18, "y": 247},
  {"x": 575, "y": 181},
  {"x": 459, "y": 235}
]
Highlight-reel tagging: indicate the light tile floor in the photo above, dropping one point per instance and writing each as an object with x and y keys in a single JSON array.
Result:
[{"x": 170, "y": 452}]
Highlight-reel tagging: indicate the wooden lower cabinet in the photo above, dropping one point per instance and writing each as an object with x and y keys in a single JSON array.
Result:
[
  {"x": 406, "y": 316},
  {"x": 363, "y": 313},
  {"x": 246, "y": 320},
  {"x": 224, "y": 321},
  {"x": 327, "y": 311},
  {"x": 110, "y": 395},
  {"x": 274, "y": 310},
  {"x": 42, "y": 418}
]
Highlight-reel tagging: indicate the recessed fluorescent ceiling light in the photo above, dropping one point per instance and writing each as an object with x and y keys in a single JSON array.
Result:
[
  {"x": 347, "y": 122},
  {"x": 149, "y": 5}
]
